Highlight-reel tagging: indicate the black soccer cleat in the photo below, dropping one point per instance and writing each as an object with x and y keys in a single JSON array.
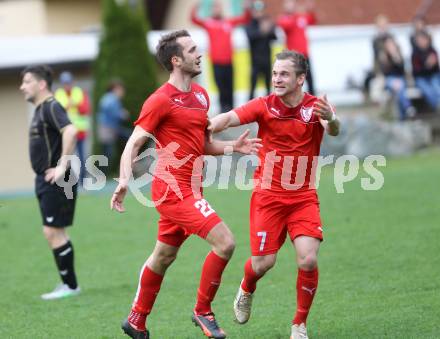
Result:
[
  {"x": 134, "y": 333},
  {"x": 208, "y": 325}
]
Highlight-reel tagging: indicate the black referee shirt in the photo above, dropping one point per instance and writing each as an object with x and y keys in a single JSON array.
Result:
[{"x": 45, "y": 138}]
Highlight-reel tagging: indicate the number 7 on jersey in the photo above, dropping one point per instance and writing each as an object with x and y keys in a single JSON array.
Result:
[{"x": 263, "y": 239}]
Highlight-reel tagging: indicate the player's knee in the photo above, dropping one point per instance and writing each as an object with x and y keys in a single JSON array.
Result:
[
  {"x": 166, "y": 259},
  {"x": 308, "y": 262},
  {"x": 49, "y": 234},
  {"x": 227, "y": 247},
  {"x": 262, "y": 266}
]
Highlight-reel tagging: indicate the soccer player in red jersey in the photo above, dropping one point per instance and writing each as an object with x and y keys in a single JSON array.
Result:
[
  {"x": 176, "y": 114},
  {"x": 291, "y": 125}
]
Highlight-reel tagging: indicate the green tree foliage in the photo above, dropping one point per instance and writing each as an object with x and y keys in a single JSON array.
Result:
[{"x": 123, "y": 54}]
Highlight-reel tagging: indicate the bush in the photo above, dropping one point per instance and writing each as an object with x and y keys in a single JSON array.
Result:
[{"x": 123, "y": 54}]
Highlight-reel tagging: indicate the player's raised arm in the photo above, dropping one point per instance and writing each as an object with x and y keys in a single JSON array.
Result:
[
  {"x": 327, "y": 116},
  {"x": 242, "y": 144},
  {"x": 137, "y": 139}
]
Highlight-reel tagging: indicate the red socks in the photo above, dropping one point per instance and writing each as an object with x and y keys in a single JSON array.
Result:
[
  {"x": 212, "y": 270},
  {"x": 149, "y": 286},
  {"x": 249, "y": 283},
  {"x": 306, "y": 286}
]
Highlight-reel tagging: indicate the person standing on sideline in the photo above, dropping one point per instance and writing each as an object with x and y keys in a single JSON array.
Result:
[
  {"x": 219, "y": 31},
  {"x": 291, "y": 126},
  {"x": 260, "y": 32},
  {"x": 176, "y": 114},
  {"x": 297, "y": 16},
  {"x": 77, "y": 104},
  {"x": 111, "y": 115},
  {"x": 52, "y": 137}
]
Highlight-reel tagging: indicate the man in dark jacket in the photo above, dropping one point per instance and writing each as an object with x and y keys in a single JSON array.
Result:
[{"x": 260, "y": 33}]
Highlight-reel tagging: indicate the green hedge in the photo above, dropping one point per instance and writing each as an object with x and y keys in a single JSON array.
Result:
[{"x": 123, "y": 54}]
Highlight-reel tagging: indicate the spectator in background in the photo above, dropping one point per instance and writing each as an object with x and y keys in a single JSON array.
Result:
[
  {"x": 425, "y": 68},
  {"x": 260, "y": 32},
  {"x": 297, "y": 16},
  {"x": 378, "y": 42},
  {"x": 76, "y": 102},
  {"x": 391, "y": 64},
  {"x": 382, "y": 26},
  {"x": 419, "y": 25},
  {"x": 111, "y": 115},
  {"x": 219, "y": 30}
]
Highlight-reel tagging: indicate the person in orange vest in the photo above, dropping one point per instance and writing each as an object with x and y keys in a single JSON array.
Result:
[{"x": 76, "y": 102}]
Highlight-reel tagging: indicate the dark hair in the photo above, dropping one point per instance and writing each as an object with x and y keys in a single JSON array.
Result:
[
  {"x": 113, "y": 83},
  {"x": 423, "y": 34},
  {"x": 168, "y": 47},
  {"x": 41, "y": 72},
  {"x": 299, "y": 60}
]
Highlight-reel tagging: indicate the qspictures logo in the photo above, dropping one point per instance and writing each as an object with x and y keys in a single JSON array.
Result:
[{"x": 221, "y": 173}]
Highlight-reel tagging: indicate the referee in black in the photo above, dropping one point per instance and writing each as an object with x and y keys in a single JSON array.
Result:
[{"x": 52, "y": 136}]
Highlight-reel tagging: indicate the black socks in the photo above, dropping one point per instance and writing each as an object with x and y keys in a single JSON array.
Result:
[{"x": 64, "y": 260}]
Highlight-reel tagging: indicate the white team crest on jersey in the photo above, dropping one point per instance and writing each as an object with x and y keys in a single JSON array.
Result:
[
  {"x": 201, "y": 98},
  {"x": 306, "y": 113}
]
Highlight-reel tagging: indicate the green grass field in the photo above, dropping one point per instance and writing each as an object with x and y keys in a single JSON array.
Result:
[{"x": 379, "y": 266}]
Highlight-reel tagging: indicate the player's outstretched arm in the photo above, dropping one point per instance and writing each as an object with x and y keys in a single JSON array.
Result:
[
  {"x": 221, "y": 122},
  {"x": 195, "y": 17},
  {"x": 242, "y": 144},
  {"x": 131, "y": 150},
  {"x": 327, "y": 116}
]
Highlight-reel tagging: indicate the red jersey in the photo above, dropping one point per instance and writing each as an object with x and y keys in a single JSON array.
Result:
[
  {"x": 178, "y": 121},
  {"x": 294, "y": 27},
  {"x": 220, "y": 32},
  {"x": 291, "y": 139}
]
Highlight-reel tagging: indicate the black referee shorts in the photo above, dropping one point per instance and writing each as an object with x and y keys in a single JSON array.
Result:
[{"x": 56, "y": 209}]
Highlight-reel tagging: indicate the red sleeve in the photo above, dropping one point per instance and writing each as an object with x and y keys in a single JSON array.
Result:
[
  {"x": 311, "y": 18},
  {"x": 154, "y": 110},
  {"x": 285, "y": 22},
  {"x": 196, "y": 19},
  {"x": 251, "y": 111},
  {"x": 242, "y": 19},
  {"x": 84, "y": 106}
]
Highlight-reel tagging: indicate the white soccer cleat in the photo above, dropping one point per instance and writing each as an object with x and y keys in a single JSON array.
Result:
[
  {"x": 61, "y": 291},
  {"x": 242, "y": 306},
  {"x": 299, "y": 332}
]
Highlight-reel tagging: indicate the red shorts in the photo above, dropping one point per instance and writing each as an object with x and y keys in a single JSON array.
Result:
[
  {"x": 181, "y": 218},
  {"x": 273, "y": 216}
]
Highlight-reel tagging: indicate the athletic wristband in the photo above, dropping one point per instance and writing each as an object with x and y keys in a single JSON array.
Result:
[{"x": 228, "y": 150}]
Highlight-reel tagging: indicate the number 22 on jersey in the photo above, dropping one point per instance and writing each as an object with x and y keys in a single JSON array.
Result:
[{"x": 204, "y": 207}]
